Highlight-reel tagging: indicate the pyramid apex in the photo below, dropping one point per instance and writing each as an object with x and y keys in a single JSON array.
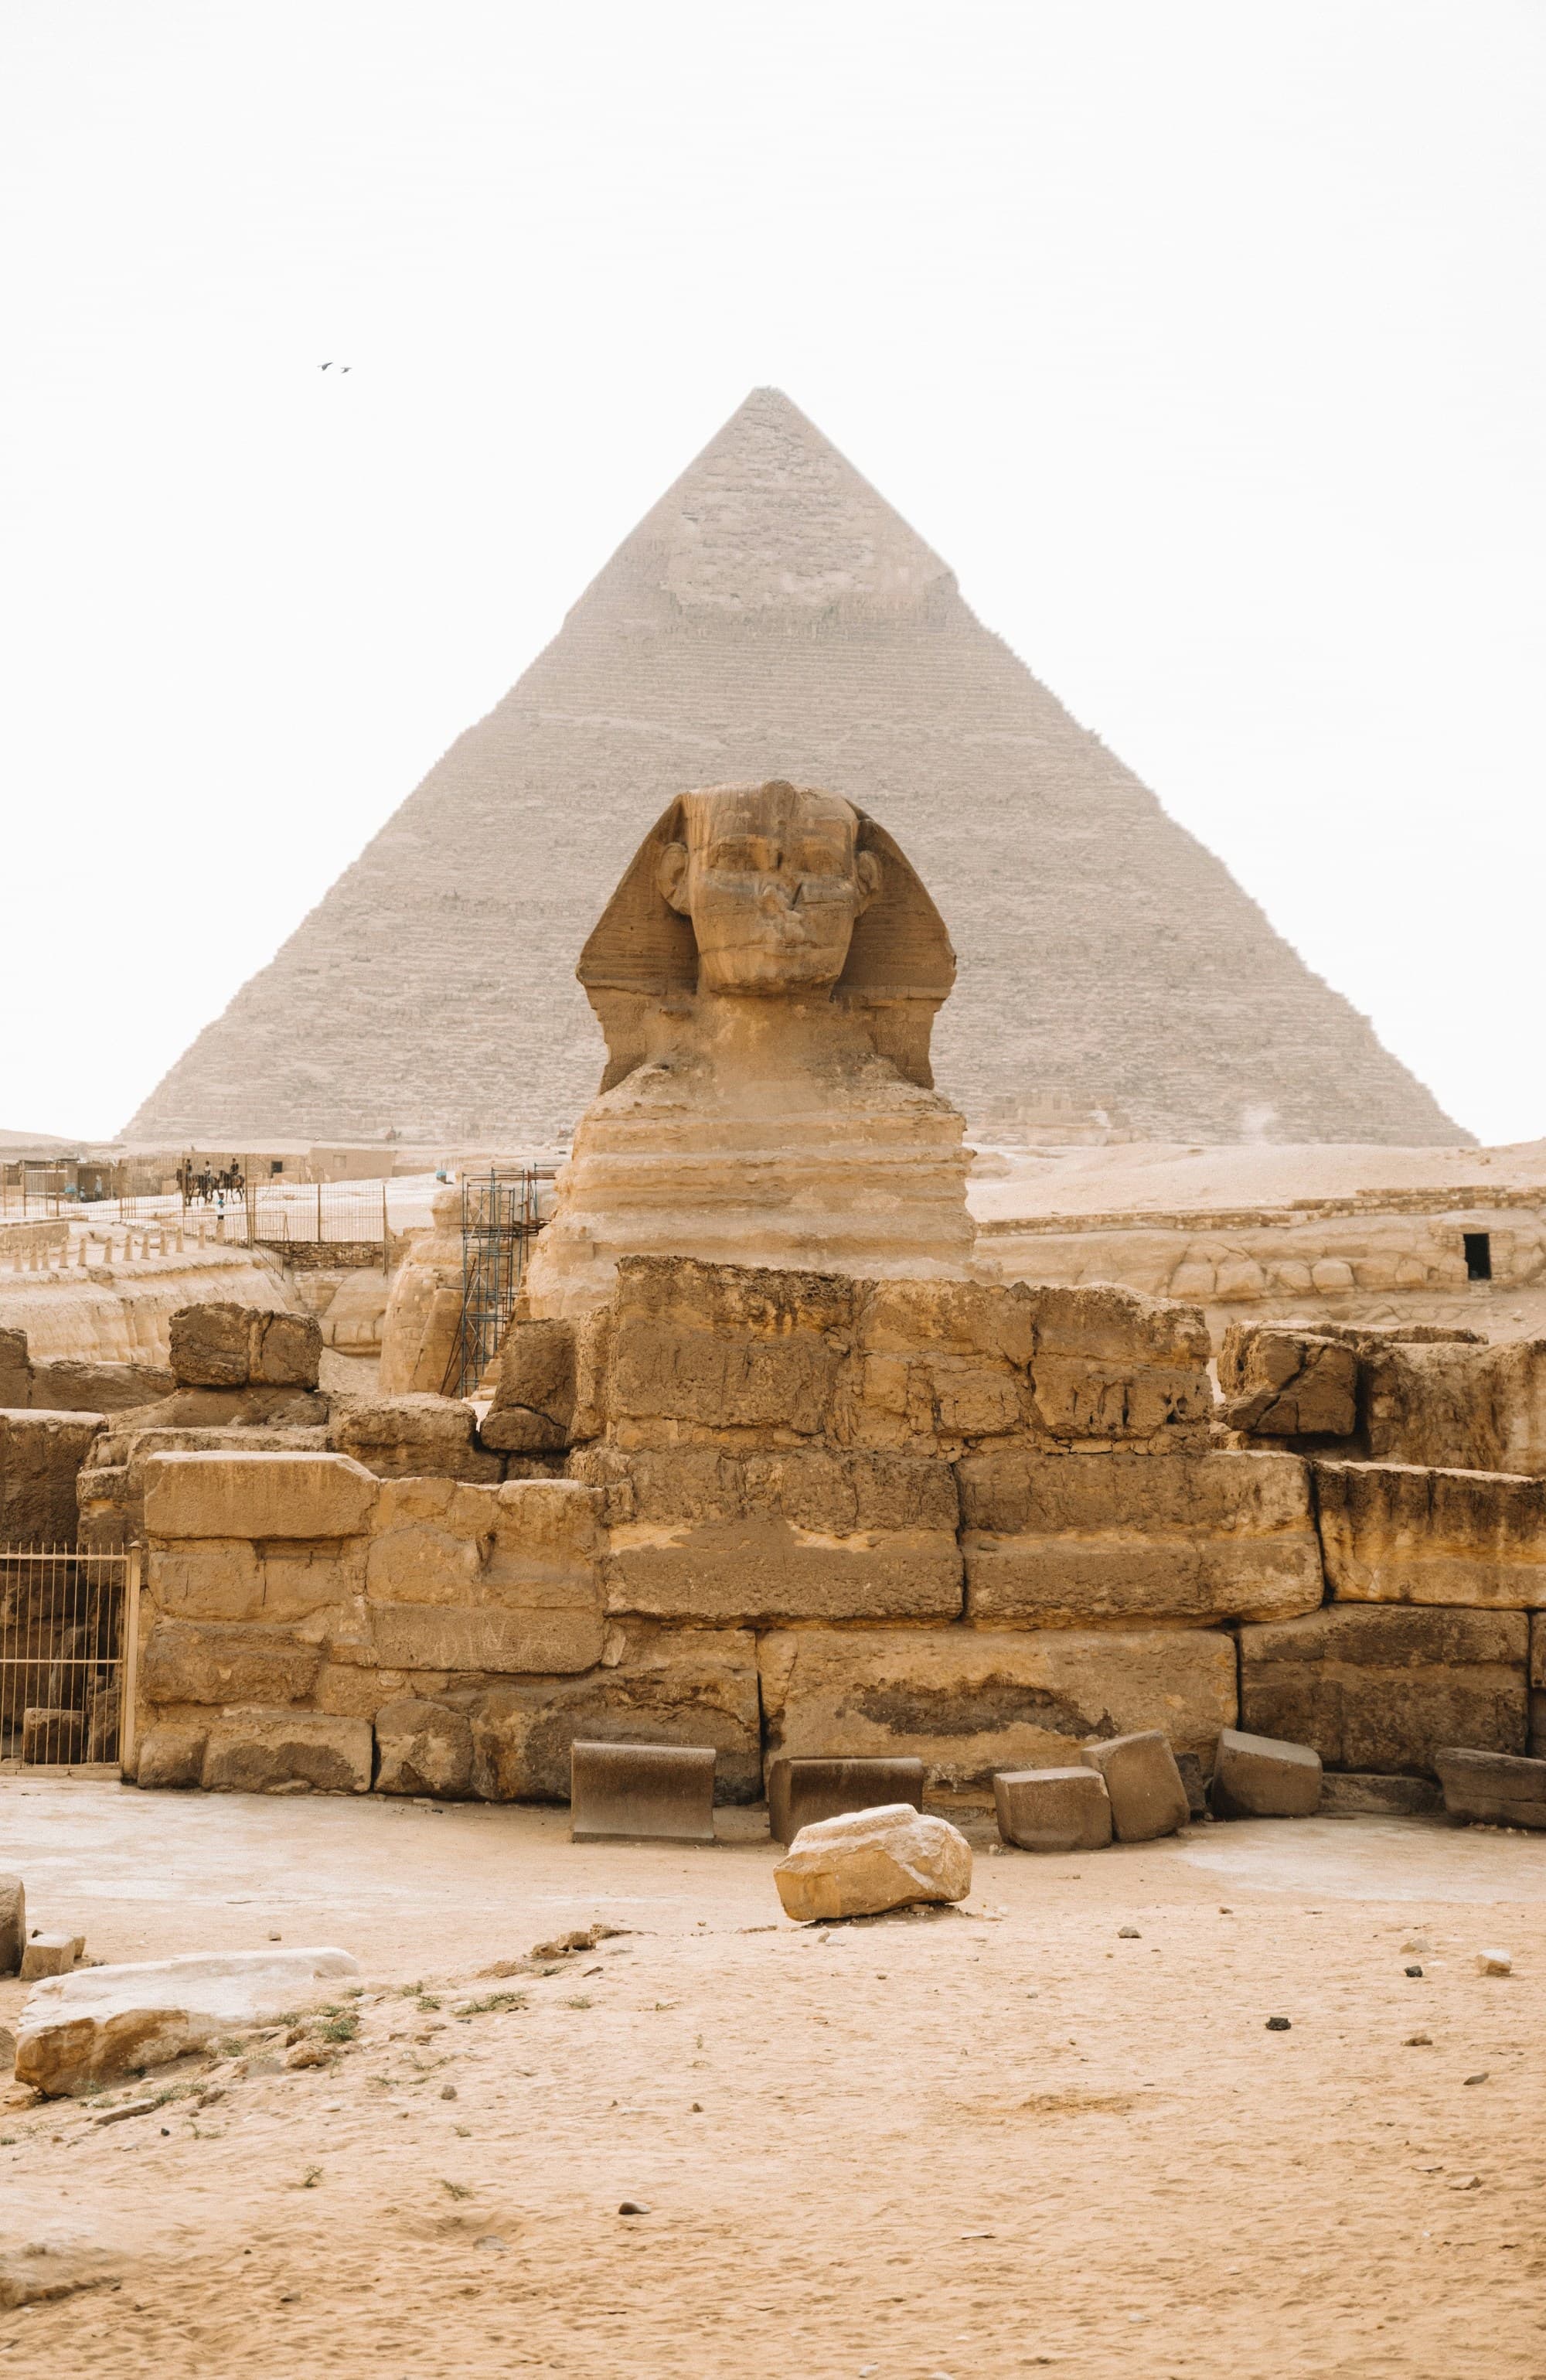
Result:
[{"x": 770, "y": 517}]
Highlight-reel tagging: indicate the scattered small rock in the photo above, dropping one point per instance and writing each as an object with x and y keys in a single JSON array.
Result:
[
  {"x": 633, "y": 2207},
  {"x": 1128, "y": 1934},
  {"x": 1417, "y": 1942},
  {"x": 122, "y": 2114},
  {"x": 1418, "y": 2040},
  {"x": 1279, "y": 2024},
  {"x": 1414, "y": 1971},
  {"x": 1494, "y": 1963},
  {"x": 491, "y": 2240},
  {"x": 308, "y": 2053},
  {"x": 1478, "y": 2078},
  {"x": 1471, "y": 2181},
  {"x": 448, "y": 2090}
]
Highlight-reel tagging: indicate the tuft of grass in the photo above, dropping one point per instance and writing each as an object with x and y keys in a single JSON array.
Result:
[
  {"x": 457, "y": 2189},
  {"x": 581, "y": 2003},
  {"x": 311, "y": 2176},
  {"x": 493, "y": 2004},
  {"x": 339, "y": 2028}
]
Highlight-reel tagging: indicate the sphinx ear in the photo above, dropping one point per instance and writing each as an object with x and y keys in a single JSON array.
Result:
[
  {"x": 671, "y": 875},
  {"x": 868, "y": 873}
]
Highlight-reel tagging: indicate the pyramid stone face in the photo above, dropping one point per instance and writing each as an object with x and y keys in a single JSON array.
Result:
[{"x": 772, "y": 617}]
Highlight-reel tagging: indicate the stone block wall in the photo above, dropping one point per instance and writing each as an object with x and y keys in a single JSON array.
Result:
[{"x": 789, "y": 1512}]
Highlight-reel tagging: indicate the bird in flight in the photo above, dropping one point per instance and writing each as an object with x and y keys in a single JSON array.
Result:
[{"x": 328, "y": 367}]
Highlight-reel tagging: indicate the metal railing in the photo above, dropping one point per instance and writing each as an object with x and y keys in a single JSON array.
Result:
[
  {"x": 305, "y": 1212},
  {"x": 70, "y": 1627}
]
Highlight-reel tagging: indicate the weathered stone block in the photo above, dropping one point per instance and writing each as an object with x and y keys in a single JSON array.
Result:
[
  {"x": 1391, "y": 1533},
  {"x": 724, "y": 1346},
  {"x": 1057, "y": 1541},
  {"x": 225, "y": 1346},
  {"x": 641, "y": 1793},
  {"x": 685, "y": 1686},
  {"x": 254, "y": 1751},
  {"x": 1111, "y": 1365},
  {"x": 870, "y": 1861},
  {"x": 296, "y": 1496},
  {"x": 564, "y": 1637},
  {"x": 67, "y": 1386},
  {"x": 172, "y": 1756},
  {"x": 510, "y": 1573},
  {"x": 13, "y": 1924},
  {"x": 1493, "y": 1789},
  {"x": 1260, "y": 1777},
  {"x": 1347, "y": 1795},
  {"x": 212, "y": 1578},
  {"x": 804, "y": 1792},
  {"x": 186, "y": 1661},
  {"x": 1138, "y": 1771},
  {"x": 1052, "y": 1809},
  {"x": 1378, "y": 1690},
  {"x": 423, "y": 1748},
  {"x": 533, "y": 1412},
  {"x": 41, "y": 1458},
  {"x": 50, "y": 1735},
  {"x": 413, "y": 1437},
  {"x": 1286, "y": 1383},
  {"x": 102, "y": 2021},
  {"x": 967, "y": 1702}
]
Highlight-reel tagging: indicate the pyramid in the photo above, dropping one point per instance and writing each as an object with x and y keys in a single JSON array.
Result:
[{"x": 773, "y": 616}]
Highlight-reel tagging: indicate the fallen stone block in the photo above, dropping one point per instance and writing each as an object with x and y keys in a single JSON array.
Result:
[
  {"x": 171, "y": 1756},
  {"x": 1052, "y": 1809},
  {"x": 50, "y": 1954},
  {"x": 225, "y": 1346},
  {"x": 423, "y": 1748},
  {"x": 869, "y": 1861},
  {"x": 103, "y": 2020},
  {"x": 1492, "y": 1788},
  {"x": 641, "y": 1793},
  {"x": 1284, "y": 1383},
  {"x": 1377, "y": 1689},
  {"x": 13, "y": 1924},
  {"x": 1354, "y": 1796},
  {"x": 257, "y": 1496},
  {"x": 803, "y": 1792},
  {"x": 262, "y": 1751},
  {"x": 1257, "y": 1776},
  {"x": 968, "y": 1701},
  {"x": 52, "y": 1737},
  {"x": 1392, "y": 1532},
  {"x": 1148, "y": 1798}
]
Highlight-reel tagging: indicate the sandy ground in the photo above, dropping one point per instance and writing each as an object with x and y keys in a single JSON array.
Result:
[
  {"x": 974, "y": 2142},
  {"x": 1164, "y": 1176}
]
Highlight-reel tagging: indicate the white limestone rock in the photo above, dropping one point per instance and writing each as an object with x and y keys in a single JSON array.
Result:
[
  {"x": 102, "y": 2021},
  {"x": 869, "y": 1861}
]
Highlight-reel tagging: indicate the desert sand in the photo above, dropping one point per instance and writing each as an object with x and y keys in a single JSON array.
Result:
[{"x": 975, "y": 2142}]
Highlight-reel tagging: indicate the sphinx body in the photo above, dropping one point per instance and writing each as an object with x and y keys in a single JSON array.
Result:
[{"x": 766, "y": 975}]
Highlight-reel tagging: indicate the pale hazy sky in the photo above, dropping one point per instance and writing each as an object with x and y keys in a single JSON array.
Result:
[{"x": 1205, "y": 341}]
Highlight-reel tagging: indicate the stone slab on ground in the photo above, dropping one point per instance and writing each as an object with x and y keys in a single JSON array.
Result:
[
  {"x": 1378, "y": 1689},
  {"x": 264, "y": 1751},
  {"x": 968, "y": 1701},
  {"x": 1492, "y": 1788},
  {"x": 1052, "y": 1809},
  {"x": 641, "y": 1793},
  {"x": 50, "y": 1954},
  {"x": 1394, "y": 1532},
  {"x": 1066, "y": 1541},
  {"x": 803, "y": 1792},
  {"x": 869, "y": 1861},
  {"x": 103, "y": 2020},
  {"x": 1262, "y": 1777},
  {"x": 1148, "y": 1798}
]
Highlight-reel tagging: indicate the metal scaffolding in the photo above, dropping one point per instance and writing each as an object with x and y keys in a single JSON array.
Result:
[{"x": 500, "y": 1217}]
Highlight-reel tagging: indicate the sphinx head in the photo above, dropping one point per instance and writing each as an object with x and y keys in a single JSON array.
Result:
[{"x": 772, "y": 880}]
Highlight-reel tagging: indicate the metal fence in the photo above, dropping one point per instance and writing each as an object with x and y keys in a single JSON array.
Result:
[
  {"x": 70, "y": 1625},
  {"x": 502, "y": 1214},
  {"x": 292, "y": 1214}
]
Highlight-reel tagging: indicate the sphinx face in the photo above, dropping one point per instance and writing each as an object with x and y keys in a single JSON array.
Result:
[{"x": 772, "y": 878}]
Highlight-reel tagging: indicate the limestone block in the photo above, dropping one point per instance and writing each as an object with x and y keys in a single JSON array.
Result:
[
  {"x": 562, "y": 1639},
  {"x": 264, "y": 1496},
  {"x": 172, "y": 1756},
  {"x": 869, "y": 1861},
  {"x": 15, "y": 1373},
  {"x": 726, "y": 1346},
  {"x": 1062, "y": 1540},
  {"x": 966, "y": 1701},
  {"x": 1391, "y": 1533},
  {"x": 102, "y": 2021},
  {"x": 1052, "y": 1809},
  {"x": 683, "y": 1685},
  {"x": 352, "y": 1320},
  {"x": 533, "y": 1412},
  {"x": 1492, "y": 1788},
  {"x": 413, "y": 1437},
  {"x": 13, "y": 1924},
  {"x": 1377, "y": 1689},
  {"x": 1112, "y": 1364},
  {"x": 803, "y": 1792},
  {"x": 424, "y": 1748},
  {"x": 52, "y": 1737},
  {"x": 948, "y": 1317},
  {"x": 502, "y": 1579},
  {"x": 211, "y": 1578},
  {"x": 641, "y": 1793},
  {"x": 256, "y": 1750},
  {"x": 50, "y": 1954},
  {"x": 42, "y": 1455},
  {"x": 68, "y": 1386},
  {"x": 1431, "y": 1405},
  {"x": 1286, "y": 1383},
  {"x": 223, "y": 1346},
  {"x": 1138, "y": 1771},
  {"x": 1345, "y": 1794},
  {"x": 185, "y": 1661},
  {"x": 1260, "y": 1777}
]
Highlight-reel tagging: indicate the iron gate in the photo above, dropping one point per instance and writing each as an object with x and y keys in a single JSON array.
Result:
[{"x": 69, "y": 1623}]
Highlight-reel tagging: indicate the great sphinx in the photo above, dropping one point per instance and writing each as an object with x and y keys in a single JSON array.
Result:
[{"x": 766, "y": 975}]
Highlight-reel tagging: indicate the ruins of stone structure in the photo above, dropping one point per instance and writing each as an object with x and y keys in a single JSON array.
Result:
[
  {"x": 767, "y": 975},
  {"x": 773, "y": 617}
]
